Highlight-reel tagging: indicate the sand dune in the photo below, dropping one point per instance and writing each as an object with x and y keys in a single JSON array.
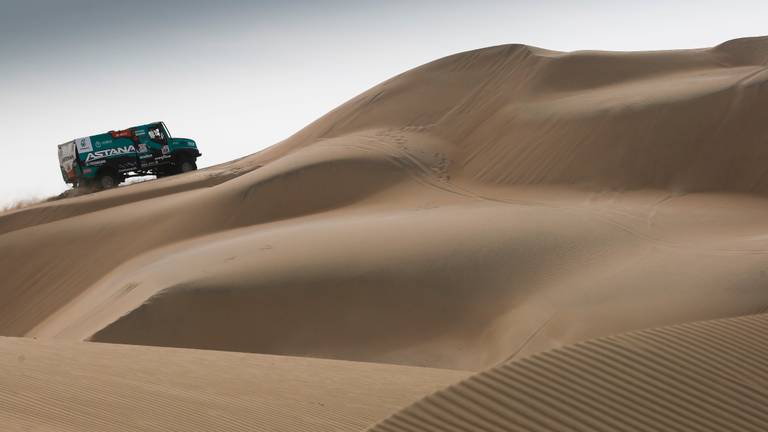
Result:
[
  {"x": 705, "y": 376},
  {"x": 489, "y": 209},
  {"x": 483, "y": 207},
  {"x": 527, "y": 279},
  {"x": 56, "y": 386},
  {"x": 74, "y": 202}
]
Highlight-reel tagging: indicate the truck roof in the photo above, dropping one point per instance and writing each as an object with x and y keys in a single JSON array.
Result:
[
  {"x": 139, "y": 126},
  {"x": 143, "y": 126}
]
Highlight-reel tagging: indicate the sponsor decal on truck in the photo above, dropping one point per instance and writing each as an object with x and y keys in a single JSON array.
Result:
[
  {"x": 84, "y": 145},
  {"x": 110, "y": 152}
]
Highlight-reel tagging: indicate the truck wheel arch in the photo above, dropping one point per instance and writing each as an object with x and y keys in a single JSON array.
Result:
[
  {"x": 184, "y": 154},
  {"x": 184, "y": 161}
]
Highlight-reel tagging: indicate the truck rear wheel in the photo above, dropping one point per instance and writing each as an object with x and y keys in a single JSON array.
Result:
[{"x": 107, "y": 179}]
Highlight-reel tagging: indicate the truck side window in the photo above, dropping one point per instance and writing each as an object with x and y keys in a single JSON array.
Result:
[{"x": 156, "y": 134}]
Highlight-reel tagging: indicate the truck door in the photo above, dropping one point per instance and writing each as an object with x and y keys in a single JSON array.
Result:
[
  {"x": 158, "y": 142},
  {"x": 143, "y": 150}
]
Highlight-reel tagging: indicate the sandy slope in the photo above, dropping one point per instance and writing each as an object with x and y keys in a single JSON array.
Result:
[
  {"x": 705, "y": 376},
  {"x": 486, "y": 206},
  {"x": 55, "y": 386},
  {"x": 527, "y": 278}
]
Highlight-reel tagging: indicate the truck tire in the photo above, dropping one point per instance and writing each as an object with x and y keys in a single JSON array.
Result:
[
  {"x": 107, "y": 179},
  {"x": 186, "y": 164}
]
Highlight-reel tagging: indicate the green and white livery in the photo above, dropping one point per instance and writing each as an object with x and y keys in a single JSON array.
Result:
[{"x": 105, "y": 160}]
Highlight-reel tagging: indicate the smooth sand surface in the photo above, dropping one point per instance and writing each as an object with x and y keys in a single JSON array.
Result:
[
  {"x": 705, "y": 376},
  {"x": 66, "y": 386},
  {"x": 479, "y": 209}
]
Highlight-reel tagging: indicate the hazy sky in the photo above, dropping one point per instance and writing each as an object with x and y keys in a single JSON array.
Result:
[{"x": 238, "y": 76}]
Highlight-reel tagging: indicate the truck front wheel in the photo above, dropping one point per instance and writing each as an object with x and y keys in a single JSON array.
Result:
[{"x": 186, "y": 165}]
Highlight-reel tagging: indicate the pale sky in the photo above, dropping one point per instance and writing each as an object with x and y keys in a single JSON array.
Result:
[{"x": 238, "y": 76}]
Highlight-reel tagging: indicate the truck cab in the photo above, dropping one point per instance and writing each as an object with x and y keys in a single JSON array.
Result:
[{"x": 105, "y": 160}]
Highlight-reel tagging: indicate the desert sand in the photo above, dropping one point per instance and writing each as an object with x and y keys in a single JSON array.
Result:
[
  {"x": 75, "y": 386},
  {"x": 707, "y": 375},
  {"x": 475, "y": 211}
]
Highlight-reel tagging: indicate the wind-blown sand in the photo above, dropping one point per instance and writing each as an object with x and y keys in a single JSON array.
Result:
[
  {"x": 65, "y": 386},
  {"x": 479, "y": 209},
  {"x": 706, "y": 376}
]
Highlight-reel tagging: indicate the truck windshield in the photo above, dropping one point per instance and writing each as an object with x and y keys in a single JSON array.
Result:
[{"x": 165, "y": 129}]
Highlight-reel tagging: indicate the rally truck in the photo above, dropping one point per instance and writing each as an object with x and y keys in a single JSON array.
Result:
[{"x": 104, "y": 161}]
